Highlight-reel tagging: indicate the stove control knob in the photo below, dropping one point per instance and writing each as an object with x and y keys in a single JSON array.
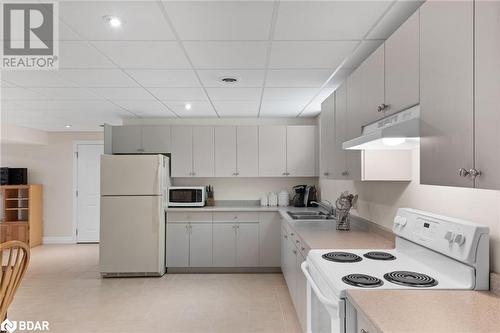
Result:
[
  {"x": 449, "y": 236},
  {"x": 459, "y": 239}
]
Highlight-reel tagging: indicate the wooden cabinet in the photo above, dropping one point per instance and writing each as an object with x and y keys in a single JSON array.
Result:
[
  {"x": 402, "y": 68},
  {"x": 301, "y": 151},
  {"x": 225, "y": 151},
  {"x": 177, "y": 245},
  {"x": 327, "y": 138},
  {"x": 247, "y": 151},
  {"x": 272, "y": 151},
  {"x": 446, "y": 92},
  {"x": 487, "y": 94},
  {"x": 22, "y": 214},
  {"x": 247, "y": 244},
  {"x": 200, "y": 245},
  {"x": 224, "y": 245},
  {"x": 139, "y": 139},
  {"x": 269, "y": 238}
]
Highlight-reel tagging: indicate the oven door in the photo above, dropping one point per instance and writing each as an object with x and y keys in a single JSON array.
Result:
[
  {"x": 186, "y": 196},
  {"x": 325, "y": 312}
]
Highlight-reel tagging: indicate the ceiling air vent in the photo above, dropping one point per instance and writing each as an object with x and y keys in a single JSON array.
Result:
[{"x": 228, "y": 79}]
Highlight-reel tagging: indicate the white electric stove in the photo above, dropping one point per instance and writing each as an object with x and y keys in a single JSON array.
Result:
[{"x": 431, "y": 252}]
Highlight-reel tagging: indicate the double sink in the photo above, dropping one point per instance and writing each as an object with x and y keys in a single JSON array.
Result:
[{"x": 308, "y": 215}]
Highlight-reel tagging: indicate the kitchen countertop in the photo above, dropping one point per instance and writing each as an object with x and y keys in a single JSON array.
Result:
[
  {"x": 316, "y": 234},
  {"x": 428, "y": 311}
]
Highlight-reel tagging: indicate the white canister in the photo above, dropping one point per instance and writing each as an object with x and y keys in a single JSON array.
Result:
[
  {"x": 263, "y": 201},
  {"x": 272, "y": 199},
  {"x": 283, "y": 198}
]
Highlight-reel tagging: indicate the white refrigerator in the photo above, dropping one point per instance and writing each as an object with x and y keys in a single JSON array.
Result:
[{"x": 133, "y": 201}]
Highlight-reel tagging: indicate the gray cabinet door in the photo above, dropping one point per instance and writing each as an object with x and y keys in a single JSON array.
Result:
[
  {"x": 247, "y": 244},
  {"x": 487, "y": 99},
  {"x": 156, "y": 139},
  {"x": 339, "y": 161},
  {"x": 225, "y": 151},
  {"x": 327, "y": 134},
  {"x": 301, "y": 151},
  {"x": 446, "y": 92},
  {"x": 203, "y": 151},
  {"x": 224, "y": 245},
  {"x": 347, "y": 106},
  {"x": 177, "y": 245},
  {"x": 200, "y": 245},
  {"x": 126, "y": 139},
  {"x": 402, "y": 68},
  {"x": 272, "y": 151},
  {"x": 269, "y": 237},
  {"x": 182, "y": 151}
]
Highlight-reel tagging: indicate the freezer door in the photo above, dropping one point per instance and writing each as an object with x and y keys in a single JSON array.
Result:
[
  {"x": 132, "y": 235},
  {"x": 133, "y": 174}
]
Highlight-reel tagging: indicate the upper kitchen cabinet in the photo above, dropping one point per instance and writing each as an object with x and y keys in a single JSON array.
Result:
[
  {"x": 365, "y": 94},
  {"x": 182, "y": 151},
  {"x": 327, "y": 138},
  {"x": 301, "y": 151},
  {"x": 138, "y": 139},
  {"x": 487, "y": 98},
  {"x": 446, "y": 93},
  {"x": 192, "y": 151},
  {"x": 203, "y": 151},
  {"x": 402, "y": 67},
  {"x": 272, "y": 151},
  {"x": 236, "y": 151}
]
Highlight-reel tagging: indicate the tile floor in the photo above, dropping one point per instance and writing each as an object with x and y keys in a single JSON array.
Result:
[{"x": 63, "y": 286}]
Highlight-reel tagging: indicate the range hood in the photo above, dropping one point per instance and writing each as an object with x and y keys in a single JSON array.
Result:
[{"x": 395, "y": 132}]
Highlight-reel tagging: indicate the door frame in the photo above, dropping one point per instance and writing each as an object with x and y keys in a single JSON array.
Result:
[{"x": 75, "y": 182}]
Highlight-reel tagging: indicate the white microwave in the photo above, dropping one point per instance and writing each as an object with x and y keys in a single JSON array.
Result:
[{"x": 186, "y": 196}]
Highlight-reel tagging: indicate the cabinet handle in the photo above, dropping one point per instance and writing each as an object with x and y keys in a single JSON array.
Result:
[
  {"x": 285, "y": 236},
  {"x": 140, "y": 149},
  {"x": 382, "y": 107},
  {"x": 291, "y": 234},
  {"x": 294, "y": 251},
  {"x": 474, "y": 173},
  {"x": 364, "y": 331},
  {"x": 462, "y": 172},
  {"x": 297, "y": 241},
  {"x": 326, "y": 174},
  {"x": 194, "y": 173},
  {"x": 345, "y": 173},
  {"x": 284, "y": 173},
  {"x": 302, "y": 248}
]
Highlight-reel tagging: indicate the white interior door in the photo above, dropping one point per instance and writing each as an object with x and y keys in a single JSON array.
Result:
[{"x": 88, "y": 192}]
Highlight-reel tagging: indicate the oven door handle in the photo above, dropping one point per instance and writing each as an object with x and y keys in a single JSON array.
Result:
[{"x": 322, "y": 298}]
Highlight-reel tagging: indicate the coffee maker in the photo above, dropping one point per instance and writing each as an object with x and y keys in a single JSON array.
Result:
[{"x": 304, "y": 194}]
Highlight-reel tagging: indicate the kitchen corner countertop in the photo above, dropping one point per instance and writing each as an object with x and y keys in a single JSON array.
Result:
[
  {"x": 318, "y": 234},
  {"x": 413, "y": 311}
]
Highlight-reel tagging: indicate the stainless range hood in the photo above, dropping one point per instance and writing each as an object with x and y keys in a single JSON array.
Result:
[{"x": 395, "y": 132}]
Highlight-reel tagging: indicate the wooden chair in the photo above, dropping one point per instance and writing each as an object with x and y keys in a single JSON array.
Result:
[{"x": 15, "y": 256}]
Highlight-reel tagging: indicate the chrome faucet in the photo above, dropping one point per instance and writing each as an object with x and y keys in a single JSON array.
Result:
[{"x": 326, "y": 205}]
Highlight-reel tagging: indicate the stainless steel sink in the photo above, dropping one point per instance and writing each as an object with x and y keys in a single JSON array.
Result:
[{"x": 297, "y": 215}]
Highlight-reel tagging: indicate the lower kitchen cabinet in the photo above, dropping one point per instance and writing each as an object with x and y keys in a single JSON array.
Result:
[
  {"x": 247, "y": 240},
  {"x": 301, "y": 292},
  {"x": 236, "y": 245},
  {"x": 177, "y": 244},
  {"x": 224, "y": 245},
  {"x": 200, "y": 245},
  {"x": 269, "y": 235}
]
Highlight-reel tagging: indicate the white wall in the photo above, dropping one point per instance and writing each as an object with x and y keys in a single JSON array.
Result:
[
  {"x": 52, "y": 166},
  {"x": 378, "y": 202}
]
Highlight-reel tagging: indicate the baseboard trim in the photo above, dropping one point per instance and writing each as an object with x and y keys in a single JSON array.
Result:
[
  {"x": 223, "y": 270},
  {"x": 58, "y": 240}
]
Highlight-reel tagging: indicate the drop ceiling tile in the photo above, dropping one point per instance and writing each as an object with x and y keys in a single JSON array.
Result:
[
  {"x": 246, "y": 78},
  {"x": 237, "y": 108},
  {"x": 144, "y": 54},
  {"x": 234, "y": 94},
  {"x": 363, "y": 51},
  {"x": 224, "y": 20},
  {"x": 289, "y": 94},
  {"x": 327, "y": 20},
  {"x": 398, "y": 14},
  {"x": 75, "y": 94},
  {"x": 123, "y": 93},
  {"x": 21, "y": 94},
  {"x": 145, "y": 108},
  {"x": 98, "y": 77},
  {"x": 142, "y": 20},
  {"x": 227, "y": 54},
  {"x": 310, "y": 54},
  {"x": 282, "y": 108},
  {"x": 36, "y": 79},
  {"x": 297, "y": 78},
  {"x": 198, "y": 109},
  {"x": 179, "y": 94},
  {"x": 164, "y": 77},
  {"x": 80, "y": 54},
  {"x": 88, "y": 106}
]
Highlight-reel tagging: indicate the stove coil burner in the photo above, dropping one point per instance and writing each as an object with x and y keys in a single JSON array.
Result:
[
  {"x": 362, "y": 280},
  {"x": 377, "y": 255},
  {"x": 342, "y": 257},
  {"x": 410, "y": 279}
]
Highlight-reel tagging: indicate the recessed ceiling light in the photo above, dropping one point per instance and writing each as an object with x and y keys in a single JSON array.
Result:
[
  {"x": 68, "y": 126},
  {"x": 113, "y": 21},
  {"x": 188, "y": 106},
  {"x": 229, "y": 79}
]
